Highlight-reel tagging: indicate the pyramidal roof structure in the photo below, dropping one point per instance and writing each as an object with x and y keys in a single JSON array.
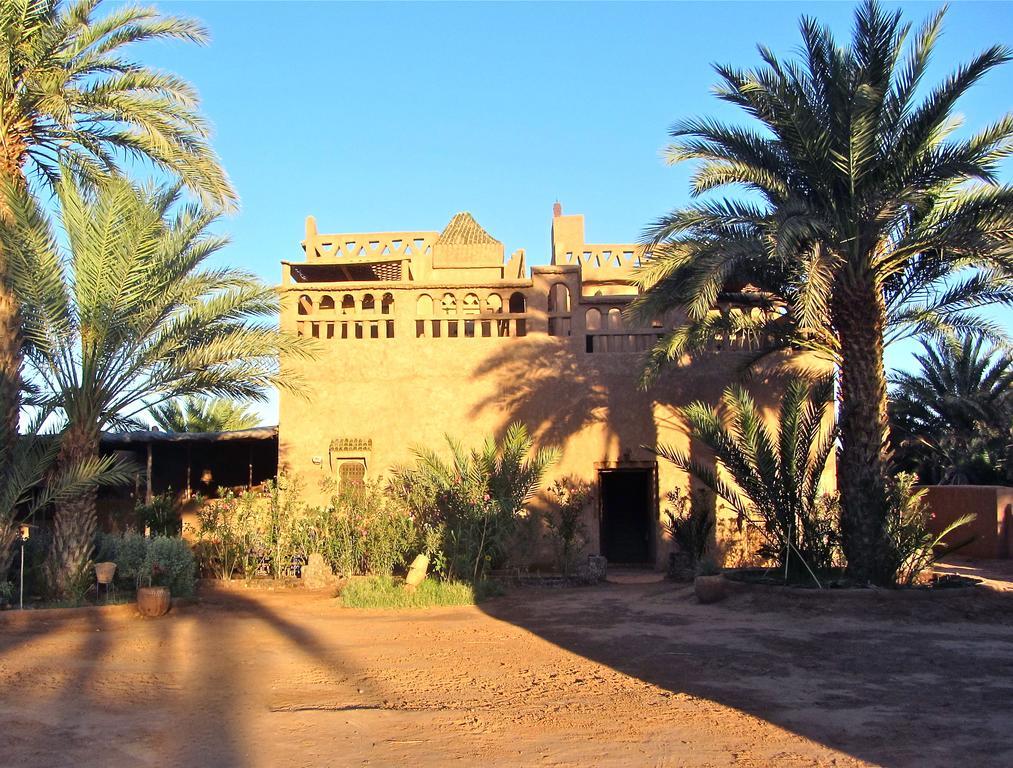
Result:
[{"x": 464, "y": 230}]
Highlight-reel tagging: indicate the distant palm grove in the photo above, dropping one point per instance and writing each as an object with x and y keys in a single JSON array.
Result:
[{"x": 848, "y": 208}]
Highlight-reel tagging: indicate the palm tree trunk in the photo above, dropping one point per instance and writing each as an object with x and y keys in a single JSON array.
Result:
[
  {"x": 11, "y": 163},
  {"x": 859, "y": 316},
  {"x": 76, "y": 520}
]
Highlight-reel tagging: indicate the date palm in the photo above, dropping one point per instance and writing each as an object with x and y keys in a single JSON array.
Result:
[
  {"x": 866, "y": 218},
  {"x": 71, "y": 97},
  {"x": 951, "y": 417},
  {"x": 128, "y": 316},
  {"x": 198, "y": 414},
  {"x": 772, "y": 479},
  {"x": 33, "y": 481}
]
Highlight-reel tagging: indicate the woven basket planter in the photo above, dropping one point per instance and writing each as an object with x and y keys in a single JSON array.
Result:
[{"x": 104, "y": 572}]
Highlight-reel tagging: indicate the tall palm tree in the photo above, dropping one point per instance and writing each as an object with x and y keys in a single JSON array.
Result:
[
  {"x": 772, "y": 479},
  {"x": 951, "y": 418},
  {"x": 71, "y": 97},
  {"x": 129, "y": 316},
  {"x": 198, "y": 414},
  {"x": 866, "y": 217}
]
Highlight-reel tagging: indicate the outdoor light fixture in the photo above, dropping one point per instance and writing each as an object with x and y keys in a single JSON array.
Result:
[{"x": 26, "y": 531}]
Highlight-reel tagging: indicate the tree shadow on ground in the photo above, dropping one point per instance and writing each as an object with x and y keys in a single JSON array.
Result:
[
  {"x": 904, "y": 681},
  {"x": 197, "y": 687}
]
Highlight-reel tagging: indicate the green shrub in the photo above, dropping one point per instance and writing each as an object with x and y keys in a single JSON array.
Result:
[
  {"x": 385, "y": 592},
  {"x": 162, "y": 561},
  {"x": 169, "y": 562},
  {"x": 689, "y": 520},
  {"x": 773, "y": 472},
  {"x": 475, "y": 500},
  {"x": 161, "y": 516},
  {"x": 914, "y": 547},
  {"x": 226, "y": 536},
  {"x": 364, "y": 530},
  {"x": 565, "y": 522},
  {"x": 6, "y": 591},
  {"x": 127, "y": 550}
]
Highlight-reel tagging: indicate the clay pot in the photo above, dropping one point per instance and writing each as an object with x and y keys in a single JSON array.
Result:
[
  {"x": 104, "y": 572},
  {"x": 153, "y": 601},
  {"x": 710, "y": 589}
]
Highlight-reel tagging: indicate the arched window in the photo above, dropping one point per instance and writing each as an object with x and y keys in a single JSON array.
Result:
[
  {"x": 559, "y": 299},
  {"x": 326, "y": 304},
  {"x": 424, "y": 306},
  {"x": 449, "y": 304},
  {"x": 305, "y": 305},
  {"x": 592, "y": 319},
  {"x": 615, "y": 319},
  {"x": 368, "y": 303},
  {"x": 518, "y": 304},
  {"x": 494, "y": 303},
  {"x": 470, "y": 305},
  {"x": 347, "y": 304},
  {"x": 387, "y": 304}
]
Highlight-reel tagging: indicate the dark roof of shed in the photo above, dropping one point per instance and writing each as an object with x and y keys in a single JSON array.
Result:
[{"x": 144, "y": 436}]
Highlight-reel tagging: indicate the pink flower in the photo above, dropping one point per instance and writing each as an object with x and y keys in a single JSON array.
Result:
[{"x": 487, "y": 497}]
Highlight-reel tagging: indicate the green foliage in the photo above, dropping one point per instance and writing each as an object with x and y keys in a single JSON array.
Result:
[
  {"x": 565, "y": 519},
  {"x": 841, "y": 139},
  {"x": 71, "y": 95},
  {"x": 476, "y": 498},
  {"x": 843, "y": 214},
  {"x": 364, "y": 530},
  {"x": 689, "y": 520},
  {"x": 950, "y": 419},
  {"x": 914, "y": 546},
  {"x": 169, "y": 562},
  {"x": 6, "y": 591},
  {"x": 161, "y": 516},
  {"x": 32, "y": 481},
  {"x": 135, "y": 283},
  {"x": 226, "y": 535},
  {"x": 160, "y": 561},
  {"x": 384, "y": 592},
  {"x": 199, "y": 414},
  {"x": 771, "y": 479}
]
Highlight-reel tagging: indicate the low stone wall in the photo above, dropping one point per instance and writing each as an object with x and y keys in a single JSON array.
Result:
[{"x": 992, "y": 526}]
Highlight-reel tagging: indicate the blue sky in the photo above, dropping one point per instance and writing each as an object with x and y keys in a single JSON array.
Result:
[{"x": 388, "y": 116}]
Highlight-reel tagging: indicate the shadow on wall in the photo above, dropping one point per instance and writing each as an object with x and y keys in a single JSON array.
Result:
[
  {"x": 851, "y": 675},
  {"x": 590, "y": 405}
]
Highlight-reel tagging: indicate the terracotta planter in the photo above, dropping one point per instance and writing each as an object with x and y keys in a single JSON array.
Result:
[
  {"x": 710, "y": 589},
  {"x": 153, "y": 601},
  {"x": 104, "y": 572}
]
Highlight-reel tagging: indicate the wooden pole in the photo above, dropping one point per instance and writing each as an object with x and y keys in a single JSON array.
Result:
[{"x": 147, "y": 489}]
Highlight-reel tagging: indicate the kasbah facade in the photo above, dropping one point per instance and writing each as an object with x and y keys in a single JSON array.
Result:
[{"x": 425, "y": 334}]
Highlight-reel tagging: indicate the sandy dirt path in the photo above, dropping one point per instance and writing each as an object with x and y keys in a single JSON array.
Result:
[{"x": 629, "y": 674}]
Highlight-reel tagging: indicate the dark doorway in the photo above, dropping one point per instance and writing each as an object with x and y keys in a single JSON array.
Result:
[{"x": 626, "y": 520}]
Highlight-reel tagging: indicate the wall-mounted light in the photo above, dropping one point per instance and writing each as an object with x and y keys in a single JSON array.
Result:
[{"x": 318, "y": 460}]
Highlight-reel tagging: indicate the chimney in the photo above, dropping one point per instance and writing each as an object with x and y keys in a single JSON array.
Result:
[{"x": 557, "y": 210}]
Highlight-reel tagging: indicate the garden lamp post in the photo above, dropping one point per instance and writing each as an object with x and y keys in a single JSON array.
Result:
[{"x": 25, "y": 530}]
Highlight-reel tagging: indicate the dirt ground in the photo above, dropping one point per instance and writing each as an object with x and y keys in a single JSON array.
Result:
[{"x": 621, "y": 674}]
